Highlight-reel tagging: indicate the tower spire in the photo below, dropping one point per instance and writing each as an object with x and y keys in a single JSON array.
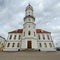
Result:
[
  {"x": 28, "y": 2},
  {"x": 29, "y": 12}
]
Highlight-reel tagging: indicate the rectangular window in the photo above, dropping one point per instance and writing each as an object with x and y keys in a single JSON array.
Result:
[
  {"x": 18, "y": 45},
  {"x": 40, "y": 45},
  {"x": 24, "y": 33},
  {"x": 8, "y": 44},
  {"x": 43, "y": 37},
  {"x": 45, "y": 44},
  {"x": 15, "y": 37},
  {"x": 34, "y": 33},
  {"x": 10, "y": 37},
  {"x": 13, "y": 44},
  {"x": 29, "y": 33},
  {"x": 39, "y": 36},
  {"x": 48, "y": 37},
  {"x": 19, "y": 37},
  {"x": 29, "y": 26},
  {"x": 50, "y": 44}
]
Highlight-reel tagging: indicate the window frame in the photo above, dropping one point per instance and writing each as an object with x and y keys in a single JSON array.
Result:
[
  {"x": 43, "y": 37},
  {"x": 8, "y": 44},
  {"x": 39, "y": 37},
  {"x": 50, "y": 44},
  {"x": 18, "y": 44},
  {"x": 34, "y": 33},
  {"x": 13, "y": 44},
  {"x": 29, "y": 33},
  {"x": 45, "y": 44},
  {"x": 48, "y": 37},
  {"x": 10, "y": 37},
  {"x": 19, "y": 37},
  {"x": 40, "y": 44},
  {"x": 15, "y": 37}
]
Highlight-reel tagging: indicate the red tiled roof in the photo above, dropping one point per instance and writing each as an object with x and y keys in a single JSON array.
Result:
[
  {"x": 41, "y": 31},
  {"x": 17, "y": 31},
  {"x": 37, "y": 30}
]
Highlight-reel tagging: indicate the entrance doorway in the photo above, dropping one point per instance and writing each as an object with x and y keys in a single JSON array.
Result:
[{"x": 29, "y": 44}]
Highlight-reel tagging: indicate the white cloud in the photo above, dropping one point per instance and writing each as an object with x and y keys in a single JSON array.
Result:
[
  {"x": 46, "y": 12},
  {"x": 56, "y": 27}
]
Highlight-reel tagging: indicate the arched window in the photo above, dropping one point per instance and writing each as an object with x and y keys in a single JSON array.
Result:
[
  {"x": 29, "y": 13},
  {"x": 29, "y": 33},
  {"x": 45, "y": 44},
  {"x": 8, "y": 45},
  {"x": 13, "y": 44},
  {"x": 48, "y": 37},
  {"x": 34, "y": 33},
  {"x": 40, "y": 44},
  {"x": 50, "y": 44},
  {"x": 24, "y": 33},
  {"x": 29, "y": 19},
  {"x": 29, "y": 26},
  {"x": 10, "y": 37},
  {"x": 18, "y": 45},
  {"x": 15, "y": 37},
  {"x": 19, "y": 37},
  {"x": 43, "y": 37},
  {"x": 39, "y": 36}
]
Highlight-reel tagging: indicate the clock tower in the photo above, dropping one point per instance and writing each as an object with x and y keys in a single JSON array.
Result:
[
  {"x": 29, "y": 22},
  {"x": 29, "y": 28}
]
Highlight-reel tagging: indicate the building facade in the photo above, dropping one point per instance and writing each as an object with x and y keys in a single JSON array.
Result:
[
  {"x": 29, "y": 37},
  {"x": 2, "y": 43}
]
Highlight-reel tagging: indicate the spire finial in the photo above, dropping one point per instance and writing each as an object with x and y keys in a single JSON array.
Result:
[{"x": 28, "y": 3}]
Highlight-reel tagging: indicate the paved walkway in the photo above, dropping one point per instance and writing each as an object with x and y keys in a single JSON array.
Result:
[{"x": 30, "y": 55}]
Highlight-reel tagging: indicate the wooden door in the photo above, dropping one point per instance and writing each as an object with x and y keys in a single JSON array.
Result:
[{"x": 29, "y": 44}]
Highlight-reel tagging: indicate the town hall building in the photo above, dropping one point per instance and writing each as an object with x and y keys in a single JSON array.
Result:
[{"x": 29, "y": 37}]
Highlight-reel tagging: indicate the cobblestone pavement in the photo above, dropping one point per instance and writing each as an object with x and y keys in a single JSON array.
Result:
[{"x": 30, "y": 55}]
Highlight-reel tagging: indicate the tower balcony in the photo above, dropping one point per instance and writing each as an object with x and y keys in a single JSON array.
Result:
[{"x": 29, "y": 16}]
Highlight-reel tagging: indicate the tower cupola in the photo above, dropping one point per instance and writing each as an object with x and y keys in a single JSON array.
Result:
[
  {"x": 29, "y": 10},
  {"x": 29, "y": 7}
]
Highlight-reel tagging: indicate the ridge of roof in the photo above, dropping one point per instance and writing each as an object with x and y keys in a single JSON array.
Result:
[
  {"x": 21, "y": 30},
  {"x": 16, "y": 31},
  {"x": 41, "y": 31}
]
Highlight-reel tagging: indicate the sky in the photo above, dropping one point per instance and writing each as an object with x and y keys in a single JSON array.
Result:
[{"x": 46, "y": 13}]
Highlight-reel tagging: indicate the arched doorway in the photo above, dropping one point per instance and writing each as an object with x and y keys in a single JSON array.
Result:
[{"x": 29, "y": 44}]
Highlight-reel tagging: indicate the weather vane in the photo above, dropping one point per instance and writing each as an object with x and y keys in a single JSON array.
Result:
[{"x": 28, "y": 2}]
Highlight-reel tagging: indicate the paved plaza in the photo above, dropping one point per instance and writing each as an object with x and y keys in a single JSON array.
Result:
[{"x": 30, "y": 55}]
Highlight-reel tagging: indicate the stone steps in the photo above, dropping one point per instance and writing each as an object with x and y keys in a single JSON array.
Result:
[{"x": 30, "y": 50}]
